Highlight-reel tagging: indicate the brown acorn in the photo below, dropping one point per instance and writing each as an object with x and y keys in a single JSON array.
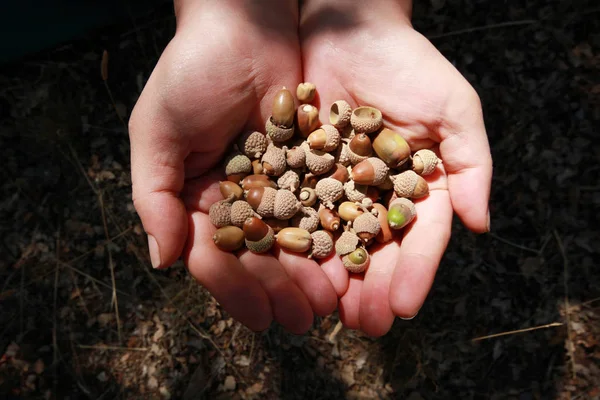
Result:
[
  {"x": 355, "y": 192},
  {"x": 253, "y": 144},
  {"x": 409, "y": 184},
  {"x": 310, "y": 180},
  {"x": 359, "y": 148},
  {"x": 330, "y": 220},
  {"x": 283, "y": 108},
  {"x": 228, "y": 188},
  {"x": 257, "y": 168},
  {"x": 322, "y": 244},
  {"x": 338, "y": 172},
  {"x": 326, "y": 138},
  {"x": 240, "y": 211},
  {"x": 229, "y": 238},
  {"x": 254, "y": 181},
  {"x": 307, "y": 119},
  {"x": 349, "y": 211},
  {"x": 273, "y": 161},
  {"x": 237, "y": 166},
  {"x": 219, "y": 213},
  {"x": 424, "y": 162},
  {"x": 371, "y": 171},
  {"x": 339, "y": 114},
  {"x": 296, "y": 157},
  {"x": 385, "y": 234},
  {"x": 306, "y": 91},
  {"x": 391, "y": 148},
  {"x": 262, "y": 200},
  {"x": 366, "y": 119},
  {"x": 366, "y": 226},
  {"x": 357, "y": 261},
  {"x": 329, "y": 190},
  {"x": 317, "y": 161},
  {"x": 259, "y": 236},
  {"x": 294, "y": 239}
]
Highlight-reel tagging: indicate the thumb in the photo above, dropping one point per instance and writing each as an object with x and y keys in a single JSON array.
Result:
[{"x": 157, "y": 174}]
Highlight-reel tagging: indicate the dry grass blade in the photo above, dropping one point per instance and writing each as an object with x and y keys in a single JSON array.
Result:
[
  {"x": 483, "y": 28},
  {"x": 535, "y": 328},
  {"x": 104, "y": 74},
  {"x": 513, "y": 244},
  {"x": 116, "y": 348}
]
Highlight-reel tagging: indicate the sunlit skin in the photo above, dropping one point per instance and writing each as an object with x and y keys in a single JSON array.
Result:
[{"x": 218, "y": 77}]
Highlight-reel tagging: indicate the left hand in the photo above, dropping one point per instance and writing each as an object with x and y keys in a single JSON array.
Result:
[{"x": 376, "y": 58}]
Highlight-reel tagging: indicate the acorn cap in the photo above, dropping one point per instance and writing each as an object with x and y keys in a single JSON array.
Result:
[
  {"x": 262, "y": 200},
  {"x": 273, "y": 161},
  {"x": 342, "y": 155},
  {"x": 366, "y": 226},
  {"x": 286, "y": 204},
  {"x": 253, "y": 144},
  {"x": 240, "y": 211},
  {"x": 259, "y": 236},
  {"x": 317, "y": 161},
  {"x": 219, "y": 213},
  {"x": 401, "y": 213},
  {"x": 357, "y": 261},
  {"x": 366, "y": 119},
  {"x": 278, "y": 134},
  {"x": 355, "y": 192},
  {"x": 424, "y": 162},
  {"x": 329, "y": 190},
  {"x": 346, "y": 243},
  {"x": 326, "y": 138},
  {"x": 289, "y": 180},
  {"x": 371, "y": 171},
  {"x": 322, "y": 245},
  {"x": 283, "y": 108},
  {"x": 339, "y": 114},
  {"x": 410, "y": 184},
  {"x": 296, "y": 157},
  {"x": 237, "y": 164},
  {"x": 229, "y": 238},
  {"x": 307, "y": 218}
]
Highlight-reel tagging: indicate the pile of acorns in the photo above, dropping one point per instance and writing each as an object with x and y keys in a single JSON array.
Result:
[{"x": 319, "y": 188}]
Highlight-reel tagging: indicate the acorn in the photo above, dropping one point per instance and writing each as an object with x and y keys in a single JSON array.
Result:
[
  {"x": 257, "y": 168},
  {"x": 338, "y": 172},
  {"x": 385, "y": 234},
  {"x": 349, "y": 211},
  {"x": 391, "y": 148},
  {"x": 240, "y": 211},
  {"x": 410, "y": 184},
  {"x": 289, "y": 180},
  {"x": 253, "y": 144},
  {"x": 259, "y": 236},
  {"x": 296, "y": 157},
  {"x": 310, "y": 180},
  {"x": 286, "y": 204},
  {"x": 401, "y": 212},
  {"x": 371, "y": 171},
  {"x": 330, "y": 219},
  {"x": 283, "y": 109},
  {"x": 277, "y": 224},
  {"x": 294, "y": 239},
  {"x": 424, "y": 162},
  {"x": 307, "y": 218},
  {"x": 329, "y": 190},
  {"x": 254, "y": 181},
  {"x": 339, "y": 114},
  {"x": 307, "y": 119},
  {"x": 219, "y": 213},
  {"x": 366, "y": 119},
  {"x": 306, "y": 91},
  {"x": 359, "y": 148},
  {"x": 228, "y": 188},
  {"x": 317, "y": 161},
  {"x": 346, "y": 243},
  {"x": 278, "y": 134},
  {"x": 262, "y": 200},
  {"x": 322, "y": 244},
  {"x": 229, "y": 238},
  {"x": 355, "y": 192},
  {"x": 357, "y": 261},
  {"x": 308, "y": 196},
  {"x": 237, "y": 166},
  {"x": 273, "y": 161},
  {"x": 326, "y": 138},
  {"x": 366, "y": 226},
  {"x": 387, "y": 183}
]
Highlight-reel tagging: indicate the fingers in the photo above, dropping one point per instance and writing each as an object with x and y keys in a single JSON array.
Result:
[
  {"x": 350, "y": 303},
  {"x": 337, "y": 274},
  {"x": 311, "y": 279},
  {"x": 290, "y": 305},
  {"x": 466, "y": 156},
  {"x": 222, "y": 274},
  {"x": 157, "y": 176},
  {"x": 422, "y": 248}
]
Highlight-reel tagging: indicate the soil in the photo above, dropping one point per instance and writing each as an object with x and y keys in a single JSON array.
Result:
[{"x": 84, "y": 316}]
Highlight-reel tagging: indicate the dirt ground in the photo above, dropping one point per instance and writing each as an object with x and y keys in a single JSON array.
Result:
[{"x": 84, "y": 316}]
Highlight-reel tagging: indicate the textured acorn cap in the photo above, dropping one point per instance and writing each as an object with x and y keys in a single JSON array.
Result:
[
  {"x": 219, "y": 213},
  {"x": 410, "y": 184},
  {"x": 387, "y": 183},
  {"x": 329, "y": 190},
  {"x": 289, "y": 180},
  {"x": 296, "y": 157},
  {"x": 353, "y": 267},
  {"x": 346, "y": 243},
  {"x": 322, "y": 245},
  {"x": 263, "y": 245},
  {"x": 342, "y": 155},
  {"x": 262, "y": 200},
  {"x": 237, "y": 164},
  {"x": 276, "y": 133},
  {"x": 317, "y": 161},
  {"x": 307, "y": 218},
  {"x": 326, "y": 138},
  {"x": 275, "y": 158},
  {"x": 355, "y": 192},
  {"x": 240, "y": 211},
  {"x": 339, "y": 114},
  {"x": 286, "y": 204},
  {"x": 366, "y": 119},
  {"x": 424, "y": 162},
  {"x": 366, "y": 226},
  {"x": 253, "y": 144},
  {"x": 371, "y": 171}
]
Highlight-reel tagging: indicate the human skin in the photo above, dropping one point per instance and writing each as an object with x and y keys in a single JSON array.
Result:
[
  {"x": 373, "y": 56},
  {"x": 217, "y": 78}
]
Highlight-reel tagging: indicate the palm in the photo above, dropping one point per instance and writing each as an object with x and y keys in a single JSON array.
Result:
[{"x": 418, "y": 92}]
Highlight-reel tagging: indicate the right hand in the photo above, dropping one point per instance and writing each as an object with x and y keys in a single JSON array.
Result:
[{"x": 216, "y": 79}]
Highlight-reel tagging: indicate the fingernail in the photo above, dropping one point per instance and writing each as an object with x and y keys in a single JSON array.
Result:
[
  {"x": 488, "y": 227},
  {"x": 409, "y": 318},
  {"x": 154, "y": 251}
]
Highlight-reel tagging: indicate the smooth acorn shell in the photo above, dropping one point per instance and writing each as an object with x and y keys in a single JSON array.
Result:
[
  {"x": 317, "y": 139},
  {"x": 257, "y": 168},
  {"x": 228, "y": 188},
  {"x": 254, "y": 196},
  {"x": 401, "y": 213},
  {"x": 385, "y": 234},
  {"x": 307, "y": 119},
  {"x": 349, "y": 211},
  {"x": 306, "y": 91},
  {"x": 255, "y": 181},
  {"x": 361, "y": 145},
  {"x": 338, "y": 172},
  {"x": 294, "y": 239},
  {"x": 229, "y": 238},
  {"x": 283, "y": 108},
  {"x": 330, "y": 220},
  {"x": 391, "y": 148},
  {"x": 255, "y": 229}
]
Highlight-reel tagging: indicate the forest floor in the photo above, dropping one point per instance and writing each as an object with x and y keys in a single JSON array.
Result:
[{"x": 84, "y": 316}]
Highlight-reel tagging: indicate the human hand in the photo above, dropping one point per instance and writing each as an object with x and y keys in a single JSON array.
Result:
[
  {"x": 372, "y": 56},
  {"x": 217, "y": 78}
]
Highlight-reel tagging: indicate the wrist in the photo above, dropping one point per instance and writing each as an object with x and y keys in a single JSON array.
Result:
[{"x": 357, "y": 12}]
